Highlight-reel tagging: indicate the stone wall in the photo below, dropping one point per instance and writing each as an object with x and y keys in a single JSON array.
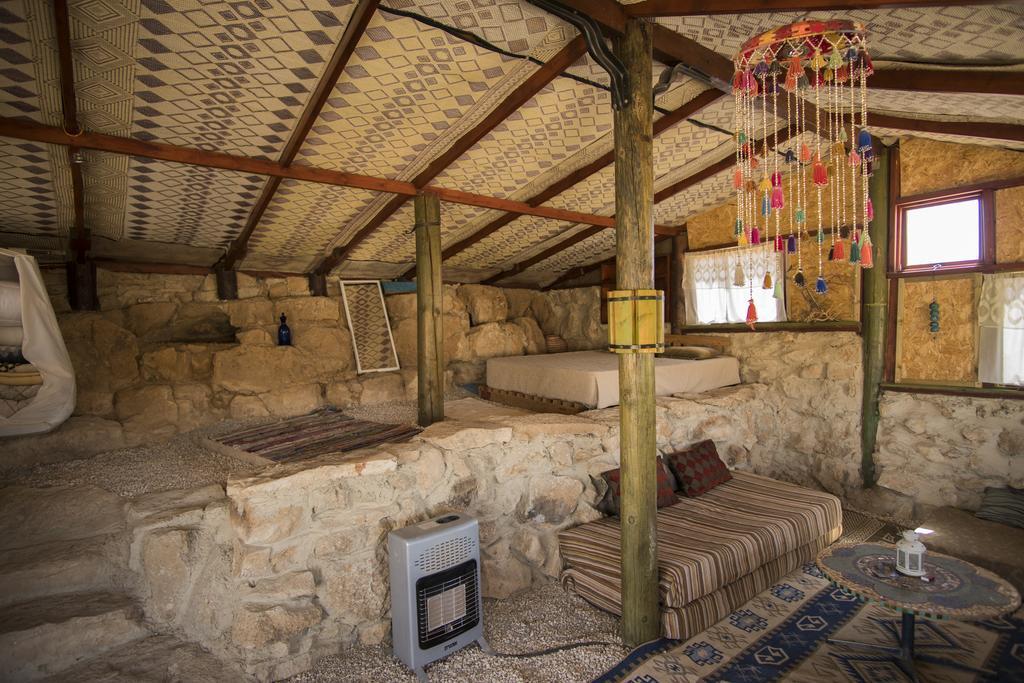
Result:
[
  {"x": 163, "y": 355},
  {"x": 292, "y": 563},
  {"x": 944, "y": 450}
]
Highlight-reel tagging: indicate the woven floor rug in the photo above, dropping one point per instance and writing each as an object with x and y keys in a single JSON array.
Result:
[
  {"x": 781, "y": 635},
  {"x": 320, "y": 433}
]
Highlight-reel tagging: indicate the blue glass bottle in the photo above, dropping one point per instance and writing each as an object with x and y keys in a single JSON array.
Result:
[{"x": 284, "y": 333}]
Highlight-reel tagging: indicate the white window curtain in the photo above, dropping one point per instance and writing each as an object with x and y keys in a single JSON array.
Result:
[
  {"x": 711, "y": 285},
  {"x": 1001, "y": 321}
]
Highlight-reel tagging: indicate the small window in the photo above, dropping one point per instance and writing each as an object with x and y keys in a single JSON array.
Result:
[
  {"x": 719, "y": 284},
  {"x": 941, "y": 234}
]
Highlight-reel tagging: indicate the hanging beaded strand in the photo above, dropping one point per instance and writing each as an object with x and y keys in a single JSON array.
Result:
[{"x": 865, "y": 70}]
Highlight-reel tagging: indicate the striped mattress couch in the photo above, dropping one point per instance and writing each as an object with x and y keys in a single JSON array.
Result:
[{"x": 715, "y": 551}]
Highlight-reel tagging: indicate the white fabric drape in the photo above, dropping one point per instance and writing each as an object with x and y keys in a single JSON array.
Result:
[
  {"x": 43, "y": 347},
  {"x": 1001, "y": 322},
  {"x": 711, "y": 292}
]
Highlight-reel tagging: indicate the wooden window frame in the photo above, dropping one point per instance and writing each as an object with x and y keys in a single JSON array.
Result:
[
  {"x": 986, "y": 264},
  {"x": 986, "y": 233}
]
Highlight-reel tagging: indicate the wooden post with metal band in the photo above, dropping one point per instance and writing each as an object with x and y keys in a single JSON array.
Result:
[{"x": 634, "y": 272}]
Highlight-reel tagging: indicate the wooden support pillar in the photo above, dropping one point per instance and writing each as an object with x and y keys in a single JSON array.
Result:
[
  {"x": 227, "y": 282},
  {"x": 430, "y": 340},
  {"x": 634, "y": 269},
  {"x": 677, "y": 314},
  {"x": 82, "y": 285},
  {"x": 874, "y": 313},
  {"x": 317, "y": 284}
]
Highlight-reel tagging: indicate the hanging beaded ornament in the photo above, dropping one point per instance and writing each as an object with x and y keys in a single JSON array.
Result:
[{"x": 826, "y": 61}]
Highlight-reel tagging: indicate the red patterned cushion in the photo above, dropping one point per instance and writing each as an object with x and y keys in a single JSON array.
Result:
[
  {"x": 609, "y": 505},
  {"x": 698, "y": 469}
]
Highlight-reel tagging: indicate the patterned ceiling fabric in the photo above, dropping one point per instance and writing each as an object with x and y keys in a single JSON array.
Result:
[
  {"x": 974, "y": 107},
  {"x": 506, "y": 142},
  {"x": 511, "y": 25},
  {"x": 514, "y": 241},
  {"x": 300, "y": 214},
  {"x": 591, "y": 250},
  {"x": 408, "y": 93},
  {"x": 682, "y": 145},
  {"x": 942, "y": 107},
  {"x": 25, "y": 69},
  {"x": 40, "y": 180},
  {"x": 28, "y": 201},
  {"x": 710, "y": 192},
  {"x": 231, "y": 76},
  {"x": 980, "y": 34},
  {"x": 561, "y": 120},
  {"x": 200, "y": 207},
  {"x": 394, "y": 241}
]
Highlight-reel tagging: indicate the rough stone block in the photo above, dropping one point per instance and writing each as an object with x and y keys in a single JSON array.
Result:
[
  {"x": 306, "y": 309},
  {"x": 283, "y": 588},
  {"x": 485, "y": 304},
  {"x": 381, "y": 388},
  {"x": 257, "y": 626},
  {"x": 291, "y": 401},
  {"x": 496, "y": 339},
  {"x": 166, "y": 558}
]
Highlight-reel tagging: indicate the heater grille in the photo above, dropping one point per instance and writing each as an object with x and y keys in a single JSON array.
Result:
[
  {"x": 445, "y": 554},
  {"x": 447, "y": 604}
]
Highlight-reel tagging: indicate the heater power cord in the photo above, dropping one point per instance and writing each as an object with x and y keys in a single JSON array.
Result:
[{"x": 551, "y": 650}]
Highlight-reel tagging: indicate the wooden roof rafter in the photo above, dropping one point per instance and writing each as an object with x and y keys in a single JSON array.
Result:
[
  {"x": 79, "y": 238},
  {"x": 523, "y": 93},
  {"x": 360, "y": 19},
  {"x": 27, "y": 130},
  {"x": 678, "y": 8}
]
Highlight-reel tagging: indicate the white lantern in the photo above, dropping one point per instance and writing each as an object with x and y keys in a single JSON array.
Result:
[{"x": 910, "y": 554}]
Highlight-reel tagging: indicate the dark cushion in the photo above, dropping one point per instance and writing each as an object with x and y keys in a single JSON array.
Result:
[
  {"x": 1003, "y": 505},
  {"x": 609, "y": 504},
  {"x": 698, "y": 469}
]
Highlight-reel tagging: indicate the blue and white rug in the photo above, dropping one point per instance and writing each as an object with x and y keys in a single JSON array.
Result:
[{"x": 781, "y": 635}]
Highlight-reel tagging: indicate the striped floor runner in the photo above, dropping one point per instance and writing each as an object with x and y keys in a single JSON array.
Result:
[{"x": 320, "y": 433}]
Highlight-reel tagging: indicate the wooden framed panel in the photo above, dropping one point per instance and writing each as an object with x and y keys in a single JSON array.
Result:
[{"x": 368, "y": 323}]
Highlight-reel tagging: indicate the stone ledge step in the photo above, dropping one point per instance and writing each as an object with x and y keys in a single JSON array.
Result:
[
  {"x": 45, "y": 636},
  {"x": 156, "y": 659},
  {"x": 90, "y": 565}
]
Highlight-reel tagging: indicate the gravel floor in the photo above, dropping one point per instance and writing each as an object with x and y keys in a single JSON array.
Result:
[
  {"x": 179, "y": 463},
  {"x": 543, "y": 617}
]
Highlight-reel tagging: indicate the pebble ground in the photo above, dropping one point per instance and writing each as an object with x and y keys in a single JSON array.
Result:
[{"x": 543, "y": 617}]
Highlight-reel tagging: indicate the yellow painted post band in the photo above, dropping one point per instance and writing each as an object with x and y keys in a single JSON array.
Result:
[{"x": 636, "y": 321}]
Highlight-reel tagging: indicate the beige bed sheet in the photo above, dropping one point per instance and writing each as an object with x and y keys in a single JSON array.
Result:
[{"x": 592, "y": 377}]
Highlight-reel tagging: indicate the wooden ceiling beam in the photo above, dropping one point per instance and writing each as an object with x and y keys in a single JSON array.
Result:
[
  {"x": 522, "y": 94},
  {"x": 983, "y": 81},
  {"x": 29, "y": 130},
  {"x": 688, "y": 109},
  {"x": 79, "y": 238},
  {"x": 676, "y": 8},
  {"x": 357, "y": 24}
]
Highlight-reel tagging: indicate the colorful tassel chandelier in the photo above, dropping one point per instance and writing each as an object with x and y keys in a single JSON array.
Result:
[{"x": 812, "y": 173}]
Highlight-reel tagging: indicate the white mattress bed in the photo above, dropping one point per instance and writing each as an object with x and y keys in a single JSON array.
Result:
[{"x": 592, "y": 377}]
